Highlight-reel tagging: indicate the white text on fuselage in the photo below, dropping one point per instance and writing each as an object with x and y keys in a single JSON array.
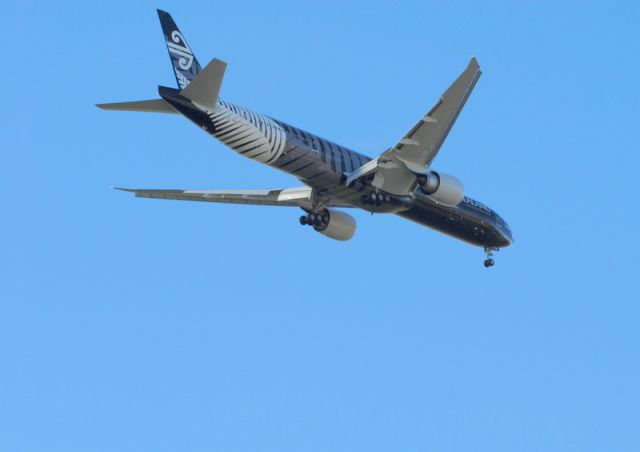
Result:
[{"x": 476, "y": 205}]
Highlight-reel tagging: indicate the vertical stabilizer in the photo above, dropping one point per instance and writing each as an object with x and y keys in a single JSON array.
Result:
[{"x": 185, "y": 64}]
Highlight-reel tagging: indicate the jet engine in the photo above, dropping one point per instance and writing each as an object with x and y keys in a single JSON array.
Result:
[
  {"x": 442, "y": 188},
  {"x": 332, "y": 223}
]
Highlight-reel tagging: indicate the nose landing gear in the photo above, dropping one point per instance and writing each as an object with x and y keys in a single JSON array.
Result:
[{"x": 488, "y": 262}]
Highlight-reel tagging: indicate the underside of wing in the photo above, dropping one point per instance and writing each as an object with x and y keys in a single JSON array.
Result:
[
  {"x": 421, "y": 144},
  {"x": 288, "y": 197}
]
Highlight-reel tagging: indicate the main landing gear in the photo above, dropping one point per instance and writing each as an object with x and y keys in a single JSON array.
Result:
[
  {"x": 375, "y": 198},
  {"x": 315, "y": 219},
  {"x": 488, "y": 262}
]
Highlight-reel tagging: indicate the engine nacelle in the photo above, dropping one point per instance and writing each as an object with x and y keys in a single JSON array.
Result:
[
  {"x": 341, "y": 226},
  {"x": 442, "y": 188}
]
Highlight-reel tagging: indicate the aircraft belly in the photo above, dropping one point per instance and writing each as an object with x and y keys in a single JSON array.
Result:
[{"x": 453, "y": 222}]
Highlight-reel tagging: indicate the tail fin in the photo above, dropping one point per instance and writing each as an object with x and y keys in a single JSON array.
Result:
[
  {"x": 200, "y": 88},
  {"x": 185, "y": 64}
]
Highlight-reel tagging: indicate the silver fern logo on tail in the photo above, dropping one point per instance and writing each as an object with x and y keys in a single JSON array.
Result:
[{"x": 179, "y": 47}]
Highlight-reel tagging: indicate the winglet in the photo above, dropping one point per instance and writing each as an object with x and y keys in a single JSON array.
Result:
[{"x": 474, "y": 62}]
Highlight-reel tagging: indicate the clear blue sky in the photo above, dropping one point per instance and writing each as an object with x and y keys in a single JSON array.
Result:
[{"x": 131, "y": 325}]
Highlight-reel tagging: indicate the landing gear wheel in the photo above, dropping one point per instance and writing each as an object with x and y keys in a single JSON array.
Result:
[
  {"x": 376, "y": 198},
  {"x": 315, "y": 219},
  {"x": 489, "y": 260}
]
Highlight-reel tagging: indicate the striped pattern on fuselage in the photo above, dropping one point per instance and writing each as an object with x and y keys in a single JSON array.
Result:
[
  {"x": 251, "y": 134},
  {"x": 318, "y": 162},
  {"x": 339, "y": 159},
  {"x": 323, "y": 165}
]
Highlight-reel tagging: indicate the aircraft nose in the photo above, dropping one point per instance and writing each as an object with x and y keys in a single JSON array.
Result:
[
  {"x": 505, "y": 233},
  {"x": 508, "y": 236}
]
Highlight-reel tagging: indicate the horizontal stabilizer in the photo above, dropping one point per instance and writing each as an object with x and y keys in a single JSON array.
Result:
[
  {"x": 152, "y": 106},
  {"x": 205, "y": 87}
]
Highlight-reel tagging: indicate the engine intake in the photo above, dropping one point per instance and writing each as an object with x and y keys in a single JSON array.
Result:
[
  {"x": 442, "y": 188},
  {"x": 341, "y": 226}
]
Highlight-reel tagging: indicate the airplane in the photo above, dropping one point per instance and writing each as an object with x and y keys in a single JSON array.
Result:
[{"x": 399, "y": 181}]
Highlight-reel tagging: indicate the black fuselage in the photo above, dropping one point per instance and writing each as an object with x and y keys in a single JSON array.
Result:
[{"x": 325, "y": 166}]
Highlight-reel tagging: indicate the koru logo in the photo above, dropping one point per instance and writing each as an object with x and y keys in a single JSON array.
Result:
[{"x": 179, "y": 48}]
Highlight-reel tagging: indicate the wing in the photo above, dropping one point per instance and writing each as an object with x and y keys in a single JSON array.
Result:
[
  {"x": 289, "y": 197},
  {"x": 421, "y": 144}
]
